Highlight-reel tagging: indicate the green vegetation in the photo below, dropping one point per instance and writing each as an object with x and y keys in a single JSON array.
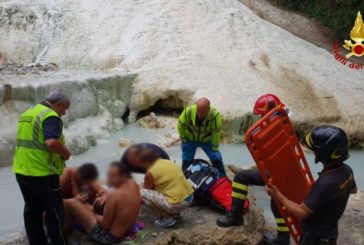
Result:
[
  {"x": 138, "y": 240},
  {"x": 337, "y": 15}
]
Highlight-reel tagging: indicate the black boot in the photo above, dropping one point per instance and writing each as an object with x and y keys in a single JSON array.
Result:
[
  {"x": 235, "y": 217},
  {"x": 283, "y": 238},
  {"x": 230, "y": 219}
]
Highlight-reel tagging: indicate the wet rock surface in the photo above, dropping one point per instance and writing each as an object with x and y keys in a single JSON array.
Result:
[
  {"x": 125, "y": 142},
  {"x": 12, "y": 69},
  {"x": 98, "y": 105},
  {"x": 199, "y": 227},
  {"x": 151, "y": 121},
  {"x": 351, "y": 225},
  {"x": 175, "y": 68}
]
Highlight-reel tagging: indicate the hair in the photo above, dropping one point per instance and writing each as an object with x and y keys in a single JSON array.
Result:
[
  {"x": 123, "y": 169},
  {"x": 57, "y": 96},
  {"x": 137, "y": 148},
  {"x": 148, "y": 156},
  {"x": 88, "y": 172}
]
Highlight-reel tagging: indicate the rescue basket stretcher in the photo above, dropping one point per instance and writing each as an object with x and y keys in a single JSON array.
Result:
[{"x": 278, "y": 155}]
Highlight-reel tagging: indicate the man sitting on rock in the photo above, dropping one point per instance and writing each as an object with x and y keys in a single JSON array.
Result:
[
  {"x": 200, "y": 126},
  {"x": 81, "y": 183},
  {"x": 131, "y": 155},
  {"x": 121, "y": 209}
]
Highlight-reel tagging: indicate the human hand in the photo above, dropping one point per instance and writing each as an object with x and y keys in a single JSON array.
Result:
[
  {"x": 66, "y": 155},
  {"x": 101, "y": 200},
  {"x": 272, "y": 190},
  {"x": 82, "y": 197}
]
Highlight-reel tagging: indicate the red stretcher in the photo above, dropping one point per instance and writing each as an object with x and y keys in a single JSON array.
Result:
[{"x": 278, "y": 155}]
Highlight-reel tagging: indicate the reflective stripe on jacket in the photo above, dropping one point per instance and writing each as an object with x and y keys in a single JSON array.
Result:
[
  {"x": 32, "y": 156},
  {"x": 208, "y": 130}
]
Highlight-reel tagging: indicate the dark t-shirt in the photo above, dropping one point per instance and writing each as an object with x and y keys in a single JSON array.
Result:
[
  {"x": 162, "y": 154},
  {"x": 327, "y": 200},
  {"x": 199, "y": 121},
  {"x": 52, "y": 126}
]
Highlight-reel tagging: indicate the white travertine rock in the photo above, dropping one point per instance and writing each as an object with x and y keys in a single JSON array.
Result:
[{"x": 179, "y": 49}]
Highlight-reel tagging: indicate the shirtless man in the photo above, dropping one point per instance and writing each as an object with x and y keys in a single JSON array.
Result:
[
  {"x": 82, "y": 184},
  {"x": 121, "y": 208}
]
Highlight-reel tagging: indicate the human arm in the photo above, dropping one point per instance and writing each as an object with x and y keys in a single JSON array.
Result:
[
  {"x": 101, "y": 193},
  {"x": 299, "y": 211},
  {"x": 55, "y": 146},
  {"x": 149, "y": 181},
  {"x": 216, "y": 132},
  {"x": 354, "y": 190},
  {"x": 52, "y": 131},
  {"x": 109, "y": 212},
  {"x": 74, "y": 186},
  {"x": 182, "y": 126},
  {"x": 99, "y": 218}
]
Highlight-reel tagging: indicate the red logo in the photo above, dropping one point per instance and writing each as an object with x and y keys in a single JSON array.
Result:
[{"x": 355, "y": 45}]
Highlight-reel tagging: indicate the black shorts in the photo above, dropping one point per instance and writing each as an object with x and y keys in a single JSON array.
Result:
[{"x": 98, "y": 234}]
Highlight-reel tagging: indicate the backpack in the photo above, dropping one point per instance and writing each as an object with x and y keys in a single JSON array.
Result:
[
  {"x": 210, "y": 188},
  {"x": 201, "y": 176},
  {"x": 220, "y": 196}
]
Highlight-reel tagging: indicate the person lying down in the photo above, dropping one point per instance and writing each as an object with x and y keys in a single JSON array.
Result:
[{"x": 120, "y": 212}]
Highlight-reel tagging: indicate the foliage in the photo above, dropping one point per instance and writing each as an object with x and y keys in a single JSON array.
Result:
[
  {"x": 138, "y": 240},
  {"x": 337, "y": 15}
]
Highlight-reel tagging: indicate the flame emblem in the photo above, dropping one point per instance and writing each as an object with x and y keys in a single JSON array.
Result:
[{"x": 355, "y": 45}]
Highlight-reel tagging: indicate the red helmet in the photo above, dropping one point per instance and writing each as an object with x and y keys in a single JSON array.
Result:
[{"x": 267, "y": 102}]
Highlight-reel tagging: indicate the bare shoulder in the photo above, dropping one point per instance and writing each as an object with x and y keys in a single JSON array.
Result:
[
  {"x": 113, "y": 195},
  {"x": 69, "y": 171},
  {"x": 130, "y": 188}
]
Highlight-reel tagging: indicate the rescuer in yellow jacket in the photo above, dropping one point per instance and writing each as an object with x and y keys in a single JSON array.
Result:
[
  {"x": 200, "y": 126},
  {"x": 38, "y": 162}
]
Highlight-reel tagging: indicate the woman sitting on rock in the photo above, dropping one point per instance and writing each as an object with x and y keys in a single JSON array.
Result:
[{"x": 166, "y": 189}]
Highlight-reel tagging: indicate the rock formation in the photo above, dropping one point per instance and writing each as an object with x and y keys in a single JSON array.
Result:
[{"x": 177, "y": 51}]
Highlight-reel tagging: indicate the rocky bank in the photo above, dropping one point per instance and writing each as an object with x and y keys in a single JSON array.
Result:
[{"x": 117, "y": 59}]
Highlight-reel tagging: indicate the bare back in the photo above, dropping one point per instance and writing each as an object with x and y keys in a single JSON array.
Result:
[
  {"x": 127, "y": 202},
  {"x": 65, "y": 182}
]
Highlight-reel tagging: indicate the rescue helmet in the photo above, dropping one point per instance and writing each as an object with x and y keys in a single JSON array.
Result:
[
  {"x": 329, "y": 143},
  {"x": 267, "y": 102}
]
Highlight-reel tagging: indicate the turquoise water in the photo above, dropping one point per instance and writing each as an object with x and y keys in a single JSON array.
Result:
[{"x": 11, "y": 202}]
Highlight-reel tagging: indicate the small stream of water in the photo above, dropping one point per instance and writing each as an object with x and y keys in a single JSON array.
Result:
[{"x": 11, "y": 203}]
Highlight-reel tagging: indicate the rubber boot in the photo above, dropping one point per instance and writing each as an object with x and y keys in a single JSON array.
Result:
[
  {"x": 233, "y": 218},
  {"x": 283, "y": 238}
]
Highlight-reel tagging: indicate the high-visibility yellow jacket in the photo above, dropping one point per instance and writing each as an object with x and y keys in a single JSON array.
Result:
[
  {"x": 32, "y": 156},
  {"x": 208, "y": 130}
]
